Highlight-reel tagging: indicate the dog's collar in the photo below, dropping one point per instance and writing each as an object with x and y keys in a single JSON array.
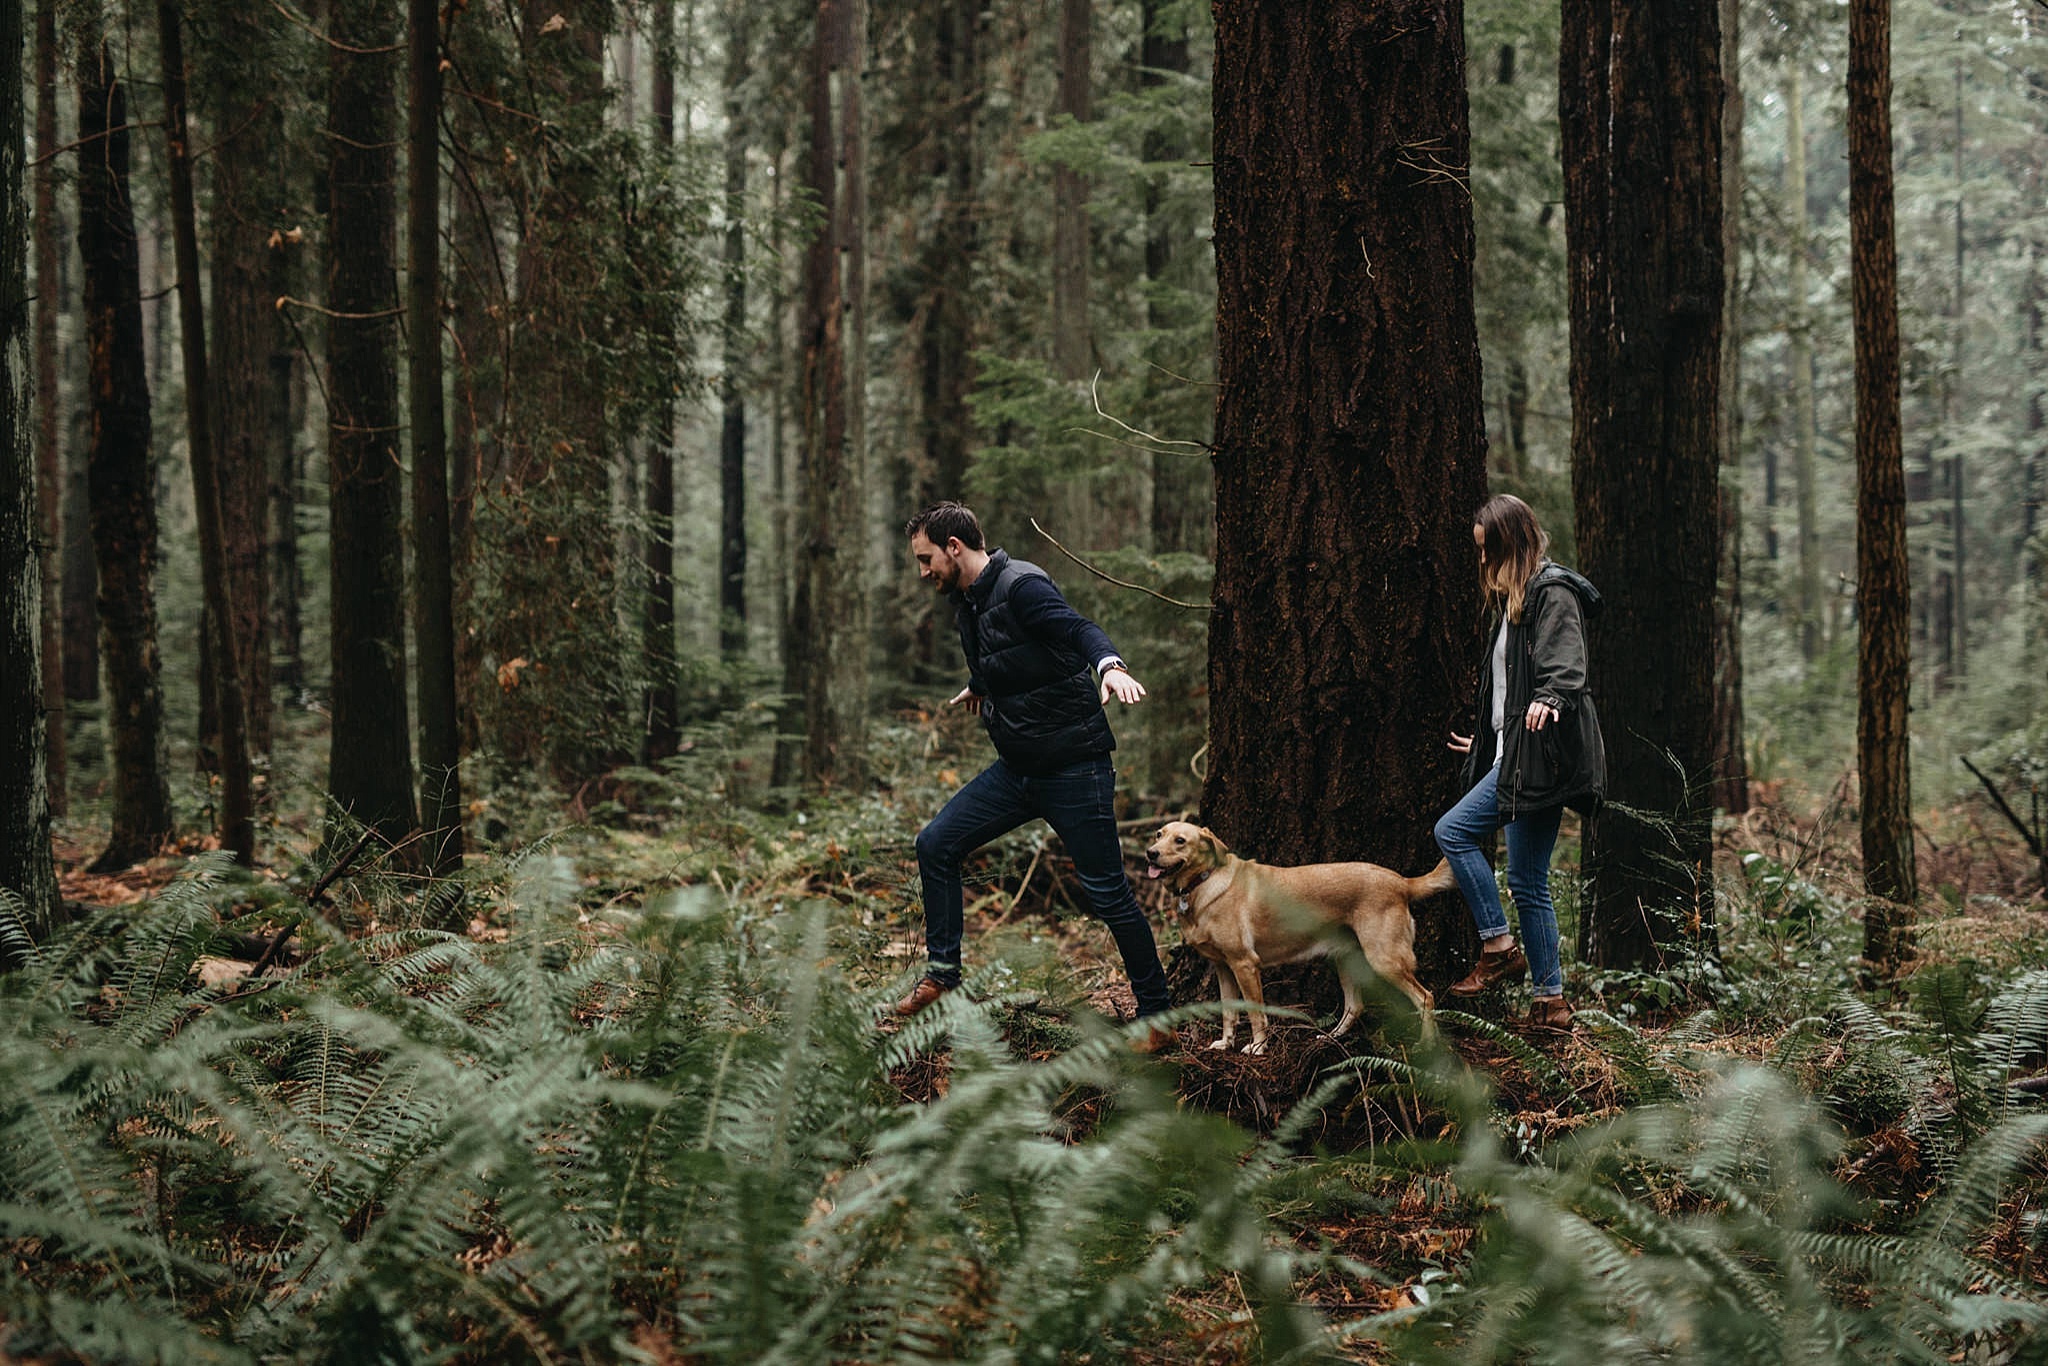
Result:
[{"x": 1182, "y": 903}]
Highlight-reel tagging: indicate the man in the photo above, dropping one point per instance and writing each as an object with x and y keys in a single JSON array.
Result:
[{"x": 1033, "y": 665}]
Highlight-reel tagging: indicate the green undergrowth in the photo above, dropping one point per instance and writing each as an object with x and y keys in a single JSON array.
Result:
[{"x": 626, "y": 1118}]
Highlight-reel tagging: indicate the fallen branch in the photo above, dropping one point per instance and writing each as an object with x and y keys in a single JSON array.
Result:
[
  {"x": 1120, "y": 583},
  {"x": 2032, "y": 838}
]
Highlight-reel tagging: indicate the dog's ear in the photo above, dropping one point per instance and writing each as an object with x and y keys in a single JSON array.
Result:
[{"x": 1215, "y": 841}]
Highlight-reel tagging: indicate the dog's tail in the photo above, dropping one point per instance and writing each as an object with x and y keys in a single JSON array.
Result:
[{"x": 1437, "y": 879}]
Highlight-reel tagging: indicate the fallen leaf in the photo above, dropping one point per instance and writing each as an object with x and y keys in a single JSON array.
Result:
[
  {"x": 554, "y": 25},
  {"x": 220, "y": 972},
  {"x": 508, "y": 672}
]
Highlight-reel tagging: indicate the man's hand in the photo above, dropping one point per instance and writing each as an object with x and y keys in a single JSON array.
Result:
[
  {"x": 965, "y": 697},
  {"x": 1459, "y": 744},
  {"x": 1540, "y": 715},
  {"x": 1127, "y": 689}
]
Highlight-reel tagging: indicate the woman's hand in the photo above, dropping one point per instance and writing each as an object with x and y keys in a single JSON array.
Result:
[
  {"x": 1459, "y": 744},
  {"x": 1540, "y": 715},
  {"x": 966, "y": 697}
]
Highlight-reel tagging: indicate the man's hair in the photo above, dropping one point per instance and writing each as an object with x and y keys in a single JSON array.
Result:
[{"x": 941, "y": 522}]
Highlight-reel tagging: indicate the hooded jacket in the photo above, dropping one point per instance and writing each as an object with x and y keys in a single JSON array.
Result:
[
  {"x": 1039, "y": 697},
  {"x": 1565, "y": 763}
]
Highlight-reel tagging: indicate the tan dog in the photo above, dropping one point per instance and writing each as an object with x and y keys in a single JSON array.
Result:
[{"x": 1242, "y": 915}]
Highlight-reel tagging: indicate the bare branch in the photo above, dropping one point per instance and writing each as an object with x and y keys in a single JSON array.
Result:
[{"x": 1111, "y": 578}]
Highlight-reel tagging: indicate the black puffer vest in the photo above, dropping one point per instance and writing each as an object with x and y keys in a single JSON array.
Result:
[{"x": 1039, "y": 702}]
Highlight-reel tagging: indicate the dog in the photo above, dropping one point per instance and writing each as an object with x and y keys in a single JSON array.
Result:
[{"x": 1242, "y": 916}]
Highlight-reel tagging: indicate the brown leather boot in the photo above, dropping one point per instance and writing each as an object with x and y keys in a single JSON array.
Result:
[
  {"x": 923, "y": 994},
  {"x": 1156, "y": 1040},
  {"x": 1494, "y": 965},
  {"x": 1551, "y": 1015}
]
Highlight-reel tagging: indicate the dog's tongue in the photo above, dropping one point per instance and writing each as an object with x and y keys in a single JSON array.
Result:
[{"x": 1151, "y": 872}]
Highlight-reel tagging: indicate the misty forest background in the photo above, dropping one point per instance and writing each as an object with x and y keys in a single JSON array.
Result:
[{"x": 458, "y": 797}]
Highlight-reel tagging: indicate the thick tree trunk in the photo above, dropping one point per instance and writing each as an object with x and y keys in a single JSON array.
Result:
[
  {"x": 1883, "y": 578},
  {"x": 1350, "y": 442},
  {"x": 1640, "y": 103},
  {"x": 440, "y": 748},
  {"x": 369, "y": 760},
  {"x": 1952, "y": 406},
  {"x": 1072, "y": 342},
  {"x": 1799, "y": 338},
  {"x": 1183, "y": 493},
  {"x": 732, "y": 433},
  {"x": 1731, "y": 759},
  {"x": 121, "y": 472},
  {"x": 49, "y": 450},
  {"x": 663, "y": 732},
  {"x": 826, "y": 646},
  {"x": 237, "y": 814},
  {"x": 244, "y": 332},
  {"x": 26, "y": 868}
]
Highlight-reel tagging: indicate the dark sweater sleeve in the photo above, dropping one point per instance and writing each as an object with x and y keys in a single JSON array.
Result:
[
  {"x": 1043, "y": 611},
  {"x": 1558, "y": 647}
]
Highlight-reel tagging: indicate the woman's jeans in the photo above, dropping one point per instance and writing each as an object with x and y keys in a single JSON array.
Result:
[
  {"x": 1531, "y": 837},
  {"x": 1078, "y": 802}
]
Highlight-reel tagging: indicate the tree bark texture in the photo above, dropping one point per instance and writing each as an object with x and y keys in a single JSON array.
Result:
[
  {"x": 440, "y": 747},
  {"x": 827, "y": 659},
  {"x": 1883, "y": 578},
  {"x": 1183, "y": 495},
  {"x": 246, "y": 126},
  {"x": 1731, "y": 758},
  {"x": 120, "y": 469},
  {"x": 1640, "y": 104},
  {"x": 369, "y": 760},
  {"x": 1072, "y": 343},
  {"x": 49, "y": 450},
  {"x": 1350, "y": 442},
  {"x": 237, "y": 815},
  {"x": 81, "y": 574},
  {"x": 732, "y": 431},
  {"x": 663, "y": 733},
  {"x": 1799, "y": 338},
  {"x": 282, "y": 407},
  {"x": 26, "y": 867}
]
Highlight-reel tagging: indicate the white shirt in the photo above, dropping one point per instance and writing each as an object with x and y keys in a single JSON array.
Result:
[{"x": 1500, "y": 688}]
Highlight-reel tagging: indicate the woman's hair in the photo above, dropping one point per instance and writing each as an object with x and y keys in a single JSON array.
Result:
[{"x": 1512, "y": 551}]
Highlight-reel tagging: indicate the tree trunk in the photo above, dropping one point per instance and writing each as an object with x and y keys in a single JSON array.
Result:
[
  {"x": 1183, "y": 494},
  {"x": 1799, "y": 335},
  {"x": 1731, "y": 759},
  {"x": 49, "y": 451},
  {"x": 732, "y": 435},
  {"x": 369, "y": 761},
  {"x": 280, "y": 412},
  {"x": 237, "y": 816},
  {"x": 663, "y": 733},
  {"x": 81, "y": 573},
  {"x": 1952, "y": 407},
  {"x": 26, "y": 868},
  {"x": 826, "y": 657},
  {"x": 247, "y": 126},
  {"x": 440, "y": 748},
  {"x": 1072, "y": 345},
  {"x": 121, "y": 472},
  {"x": 1883, "y": 582},
  {"x": 1640, "y": 105},
  {"x": 1350, "y": 441}
]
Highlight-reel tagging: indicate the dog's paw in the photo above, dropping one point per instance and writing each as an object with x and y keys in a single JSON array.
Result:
[
  {"x": 1258, "y": 1047},
  {"x": 1219, "y": 1045}
]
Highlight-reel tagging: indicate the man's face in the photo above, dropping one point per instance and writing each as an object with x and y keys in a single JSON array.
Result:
[{"x": 938, "y": 565}]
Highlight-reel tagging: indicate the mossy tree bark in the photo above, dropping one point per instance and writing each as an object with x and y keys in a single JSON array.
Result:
[
  {"x": 1640, "y": 104},
  {"x": 25, "y": 862},
  {"x": 1350, "y": 443}
]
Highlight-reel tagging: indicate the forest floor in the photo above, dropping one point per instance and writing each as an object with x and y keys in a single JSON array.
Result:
[{"x": 1786, "y": 872}]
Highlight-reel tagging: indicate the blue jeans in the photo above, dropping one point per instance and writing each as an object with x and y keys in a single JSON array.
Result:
[
  {"x": 1531, "y": 837},
  {"x": 1078, "y": 802}
]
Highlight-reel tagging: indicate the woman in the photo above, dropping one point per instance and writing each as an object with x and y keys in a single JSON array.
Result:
[{"x": 1535, "y": 749}]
